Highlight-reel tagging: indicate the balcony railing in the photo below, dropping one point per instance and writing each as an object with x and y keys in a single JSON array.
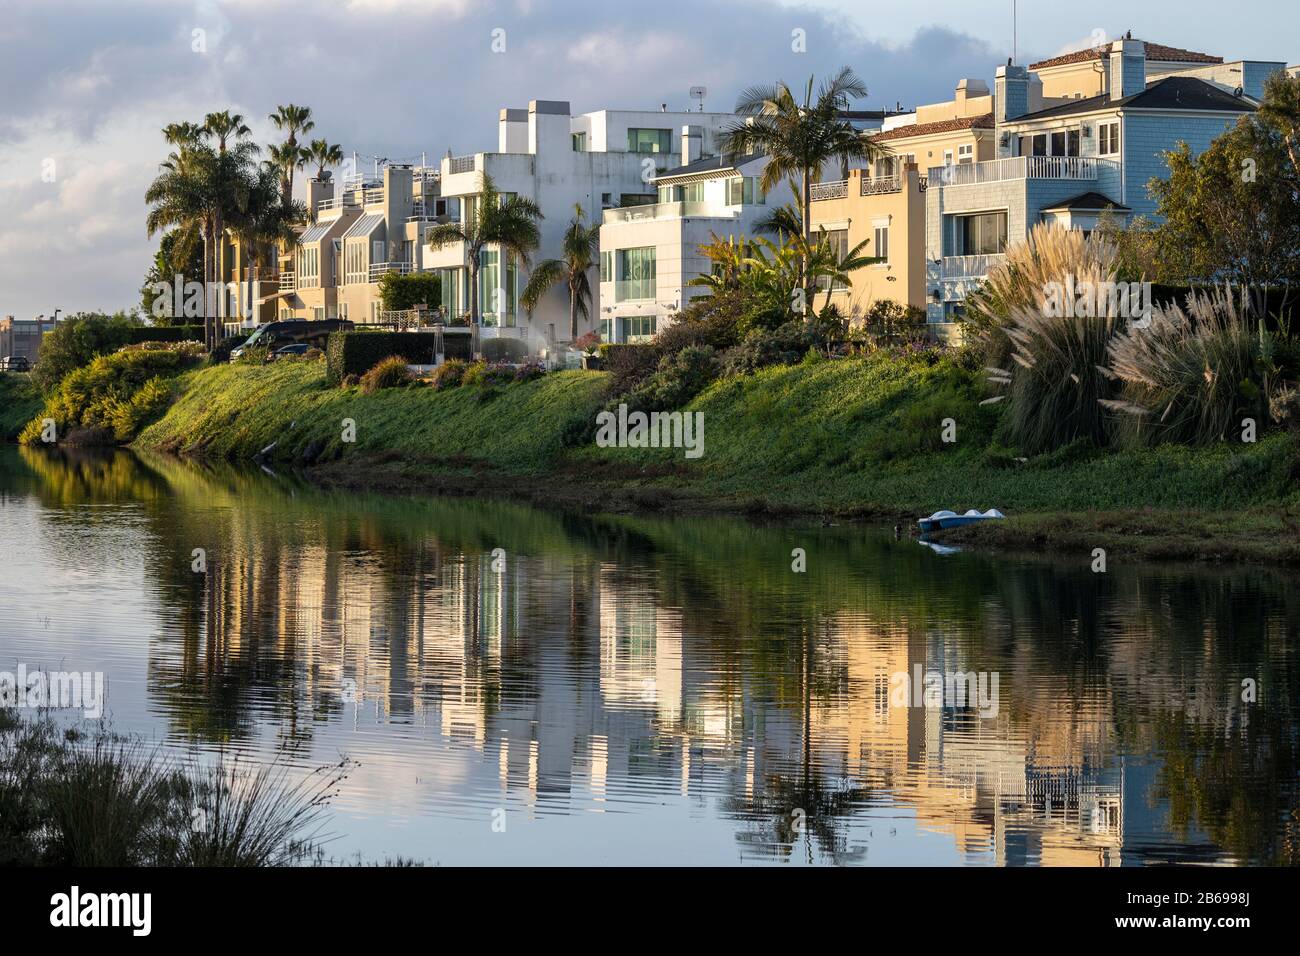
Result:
[
  {"x": 373, "y": 195},
  {"x": 836, "y": 190},
  {"x": 288, "y": 282},
  {"x": 970, "y": 267},
  {"x": 1016, "y": 167},
  {"x": 882, "y": 185},
  {"x": 631, "y": 290},
  {"x": 662, "y": 210},
  {"x": 461, "y": 164},
  {"x": 378, "y": 269}
]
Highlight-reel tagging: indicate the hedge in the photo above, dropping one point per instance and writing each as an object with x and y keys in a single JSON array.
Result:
[
  {"x": 164, "y": 333},
  {"x": 355, "y": 353}
]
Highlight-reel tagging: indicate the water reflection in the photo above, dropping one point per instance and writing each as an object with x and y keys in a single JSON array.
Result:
[{"x": 634, "y": 689}]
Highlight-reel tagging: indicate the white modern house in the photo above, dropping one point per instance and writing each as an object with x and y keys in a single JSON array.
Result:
[
  {"x": 603, "y": 160},
  {"x": 649, "y": 254}
]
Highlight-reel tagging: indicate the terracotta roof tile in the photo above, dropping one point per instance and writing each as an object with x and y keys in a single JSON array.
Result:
[
  {"x": 1155, "y": 51},
  {"x": 983, "y": 121}
]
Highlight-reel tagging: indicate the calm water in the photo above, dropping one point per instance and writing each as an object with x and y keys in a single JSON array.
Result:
[{"x": 659, "y": 690}]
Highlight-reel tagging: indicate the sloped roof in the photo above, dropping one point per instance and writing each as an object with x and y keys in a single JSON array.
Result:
[
  {"x": 316, "y": 233},
  {"x": 709, "y": 164},
  {"x": 364, "y": 226},
  {"x": 1088, "y": 201},
  {"x": 1171, "y": 93},
  {"x": 983, "y": 121},
  {"x": 1155, "y": 51}
]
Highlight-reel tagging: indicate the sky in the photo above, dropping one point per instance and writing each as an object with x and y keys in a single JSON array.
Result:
[{"x": 89, "y": 84}]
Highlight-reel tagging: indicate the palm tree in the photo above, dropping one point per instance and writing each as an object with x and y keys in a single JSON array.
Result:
[
  {"x": 287, "y": 157},
  {"x": 180, "y": 197},
  {"x": 291, "y": 120},
  {"x": 509, "y": 224},
  {"x": 728, "y": 258},
  {"x": 323, "y": 154},
  {"x": 798, "y": 138},
  {"x": 581, "y": 246},
  {"x": 266, "y": 222},
  {"x": 231, "y": 185},
  {"x": 783, "y": 220}
]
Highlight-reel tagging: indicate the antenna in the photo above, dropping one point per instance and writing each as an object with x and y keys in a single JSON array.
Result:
[
  {"x": 698, "y": 93},
  {"x": 1014, "y": 33}
]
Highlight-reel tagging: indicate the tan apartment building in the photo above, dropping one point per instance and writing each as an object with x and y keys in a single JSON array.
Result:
[
  {"x": 21, "y": 338},
  {"x": 884, "y": 205}
]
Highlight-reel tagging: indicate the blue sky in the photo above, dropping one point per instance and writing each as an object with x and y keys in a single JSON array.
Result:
[{"x": 89, "y": 84}]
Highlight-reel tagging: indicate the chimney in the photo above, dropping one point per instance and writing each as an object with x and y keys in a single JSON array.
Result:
[
  {"x": 968, "y": 89},
  {"x": 318, "y": 190},
  {"x": 549, "y": 127},
  {"x": 512, "y": 131},
  {"x": 1127, "y": 69},
  {"x": 692, "y": 143},
  {"x": 1010, "y": 93}
]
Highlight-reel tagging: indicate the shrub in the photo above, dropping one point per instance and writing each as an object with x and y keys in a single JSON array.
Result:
[
  {"x": 355, "y": 353},
  {"x": 75, "y": 341},
  {"x": 761, "y": 348},
  {"x": 529, "y": 371},
  {"x": 257, "y": 355},
  {"x": 115, "y": 394},
  {"x": 489, "y": 374},
  {"x": 892, "y": 323},
  {"x": 679, "y": 378},
  {"x": 449, "y": 374},
  {"x": 389, "y": 372},
  {"x": 1195, "y": 372},
  {"x": 313, "y": 355},
  {"x": 221, "y": 353},
  {"x": 504, "y": 350},
  {"x": 399, "y": 293},
  {"x": 629, "y": 366},
  {"x": 351, "y": 381},
  {"x": 587, "y": 343}
]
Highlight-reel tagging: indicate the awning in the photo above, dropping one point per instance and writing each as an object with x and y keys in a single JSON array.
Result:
[{"x": 364, "y": 226}]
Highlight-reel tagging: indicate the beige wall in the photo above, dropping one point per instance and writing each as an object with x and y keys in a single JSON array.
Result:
[{"x": 902, "y": 277}]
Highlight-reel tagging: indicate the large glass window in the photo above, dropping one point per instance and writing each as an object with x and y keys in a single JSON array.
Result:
[
  {"x": 838, "y": 240},
  {"x": 670, "y": 194},
  {"x": 636, "y": 273},
  {"x": 579, "y": 142},
  {"x": 982, "y": 235},
  {"x": 607, "y": 267},
  {"x": 638, "y": 328},
  {"x": 649, "y": 140},
  {"x": 497, "y": 293},
  {"x": 744, "y": 191},
  {"x": 693, "y": 193}
]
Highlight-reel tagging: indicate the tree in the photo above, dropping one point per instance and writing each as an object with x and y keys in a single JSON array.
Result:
[
  {"x": 799, "y": 137},
  {"x": 175, "y": 257},
  {"x": 728, "y": 259},
  {"x": 231, "y": 185},
  {"x": 581, "y": 248},
  {"x": 509, "y": 223},
  {"x": 324, "y": 154},
  {"x": 291, "y": 120},
  {"x": 265, "y": 221},
  {"x": 77, "y": 340},
  {"x": 181, "y": 196}
]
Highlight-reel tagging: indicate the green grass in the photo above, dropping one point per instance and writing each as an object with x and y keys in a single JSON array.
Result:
[
  {"x": 853, "y": 436},
  {"x": 865, "y": 435},
  {"x": 235, "y": 411},
  {"x": 19, "y": 403}
]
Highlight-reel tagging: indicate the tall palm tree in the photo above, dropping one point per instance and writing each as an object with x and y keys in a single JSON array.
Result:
[
  {"x": 292, "y": 121},
  {"x": 324, "y": 154},
  {"x": 287, "y": 157},
  {"x": 510, "y": 224},
  {"x": 800, "y": 136},
  {"x": 265, "y": 222},
  {"x": 728, "y": 259},
  {"x": 181, "y": 194},
  {"x": 231, "y": 185},
  {"x": 581, "y": 247}
]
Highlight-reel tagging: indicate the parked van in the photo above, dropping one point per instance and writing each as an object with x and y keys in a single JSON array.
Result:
[{"x": 283, "y": 332}]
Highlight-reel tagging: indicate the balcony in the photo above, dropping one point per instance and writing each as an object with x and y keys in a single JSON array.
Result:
[
  {"x": 882, "y": 185},
  {"x": 379, "y": 269},
  {"x": 663, "y": 210},
  {"x": 959, "y": 268},
  {"x": 835, "y": 190},
  {"x": 288, "y": 282},
  {"x": 634, "y": 290},
  {"x": 372, "y": 195},
  {"x": 461, "y": 164},
  {"x": 1082, "y": 168}
]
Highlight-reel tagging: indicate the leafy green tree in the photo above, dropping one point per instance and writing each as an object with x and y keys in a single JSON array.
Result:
[
  {"x": 509, "y": 223},
  {"x": 175, "y": 256},
  {"x": 581, "y": 252},
  {"x": 77, "y": 340}
]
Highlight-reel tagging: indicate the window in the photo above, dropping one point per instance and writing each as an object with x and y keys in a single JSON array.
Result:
[
  {"x": 637, "y": 328},
  {"x": 606, "y": 330},
  {"x": 497, "y": 291},
  {"x": 636, "y": 199},
  {"x": 1108, "y": 139},
  {"x": 1035, "y": 145},
  {"x": 947, "y": 157},
  {"x": 965, "y": 154},
  {"x": 607, "y": 267},
  {"x": 636, "y": 273},
  {"x": 449, "y": 291},
  {"x": 670, "y": 193},
  {"x": 838, "y": 240},
  {"x": 606, "y": 200},
  {"x": 338, "y": 261},
  {"x": 343, "y": 310},
  {"x": 378, "y": 252},
  {"x": 649, "y": 141},
  {"x": 981, "y": 235},
  {"x": 318, "y": 314},
  {"x": 880, "y": 248},
  {"x": 693, "y": 192},
  {"x": 579, "y": 142},
  {"x": 744, "y": 191}
]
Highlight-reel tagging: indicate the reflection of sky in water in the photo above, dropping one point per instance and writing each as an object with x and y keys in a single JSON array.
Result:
[{"x": 640, "y": 690}]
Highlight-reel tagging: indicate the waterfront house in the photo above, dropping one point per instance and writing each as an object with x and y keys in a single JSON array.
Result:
[{"x": 1074, "y": 136}]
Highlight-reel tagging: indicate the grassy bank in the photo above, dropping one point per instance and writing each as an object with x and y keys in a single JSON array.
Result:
[
  {"x": 19, "y": 403},
  {"x": 853, "y": 437}
]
